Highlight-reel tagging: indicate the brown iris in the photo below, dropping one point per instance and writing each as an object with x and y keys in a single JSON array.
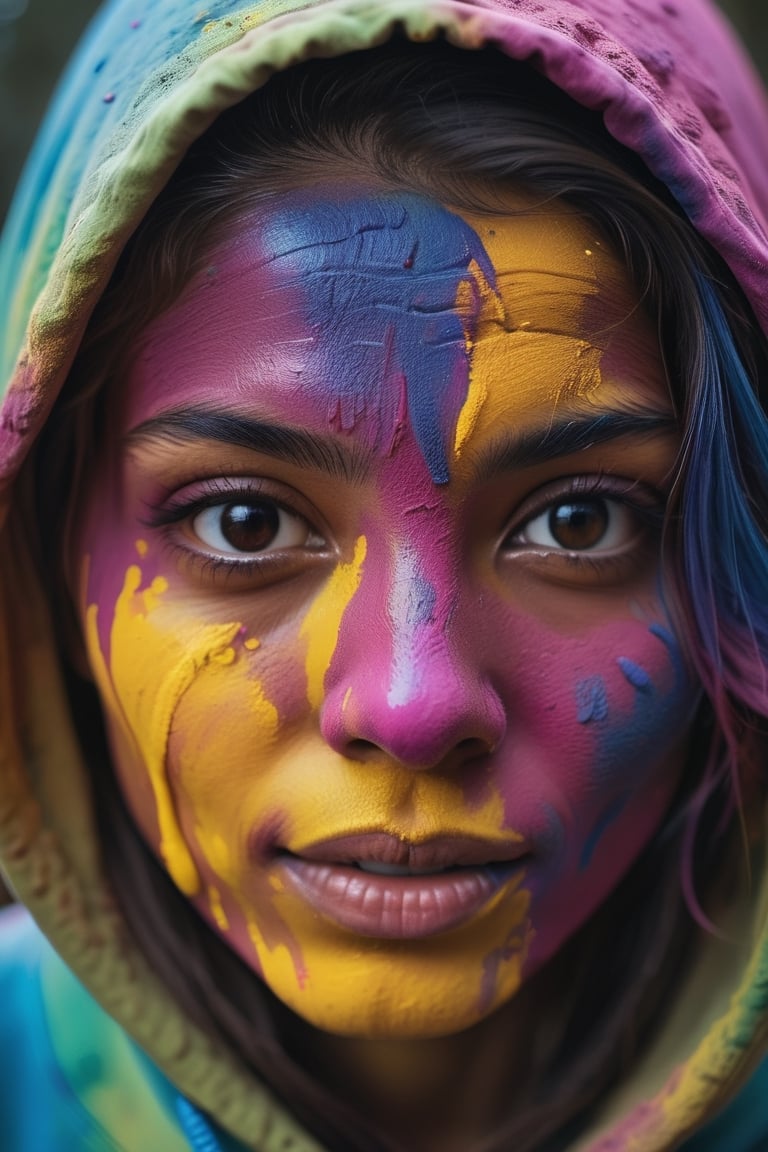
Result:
[
  {"x": 250, "y": 527},
  {"x": 579, "y": 524}
]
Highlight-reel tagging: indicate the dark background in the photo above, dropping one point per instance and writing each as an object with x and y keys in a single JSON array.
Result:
[{"x": 36, "y": 36}]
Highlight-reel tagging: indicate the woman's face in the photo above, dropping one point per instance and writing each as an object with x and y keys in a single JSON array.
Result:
[{"x": 371, "y": 593}]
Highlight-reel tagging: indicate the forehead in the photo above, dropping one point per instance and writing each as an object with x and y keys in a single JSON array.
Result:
[{"x": 356, "y": 312}]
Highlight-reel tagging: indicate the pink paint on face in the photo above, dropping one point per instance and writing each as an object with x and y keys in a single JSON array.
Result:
[
  {"x": 390, "y": 619},
  {"x": 577, "y": 729}
]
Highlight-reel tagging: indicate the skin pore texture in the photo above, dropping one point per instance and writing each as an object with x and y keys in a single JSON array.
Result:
[{"x": 370, "y": 574}]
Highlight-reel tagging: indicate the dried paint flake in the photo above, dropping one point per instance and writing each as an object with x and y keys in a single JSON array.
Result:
[
  {"x": 225, "y": 656},
  {"x": 637, "y": 676},
  {"x": 591, "y": 700}
]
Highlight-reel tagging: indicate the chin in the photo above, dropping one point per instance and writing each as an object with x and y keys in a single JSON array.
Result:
[
  {"x": 393, "y": 1017},
  {"x": 355, "y": 985},
  {"x": 380, "y": 992}
]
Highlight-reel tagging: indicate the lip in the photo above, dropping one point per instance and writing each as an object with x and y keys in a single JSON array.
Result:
[{"x": 457, "y": 876}]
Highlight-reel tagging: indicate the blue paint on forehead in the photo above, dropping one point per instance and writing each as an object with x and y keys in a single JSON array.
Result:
[{"x": 380, "y": 275}]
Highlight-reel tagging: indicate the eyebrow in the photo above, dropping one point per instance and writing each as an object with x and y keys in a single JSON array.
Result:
[
  {"x": 294, "y": 445},
  {"x": 351, "y": 463},
  {"x": 567, "y": 437}
]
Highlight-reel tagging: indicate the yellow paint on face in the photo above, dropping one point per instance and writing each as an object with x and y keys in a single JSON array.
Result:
[
  {"x": 477, "y": 393},
  {"x": 218, "y": 753},
  {"x": 188, "y": 707},
  {"x": 225, "y": 656},
  {"x": 358, "y": 986},
  {"x": 236, "y": 778},
  {"x": 432, "y": 987},
  {"x": 232, "y": 770},
  {"x": 410, "y": 805},
  {"x": 321, "y": 624},
  {"x": 535, "y": 346},
  {"x": 217, "y": 909},
  {"x": 149, "y": 672}
]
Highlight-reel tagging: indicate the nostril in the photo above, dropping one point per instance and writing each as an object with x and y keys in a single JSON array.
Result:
[
  {"x": 445, "y": 724},
  {"x": 362, "y": 750},
  {"x": 473, "y": 748}
]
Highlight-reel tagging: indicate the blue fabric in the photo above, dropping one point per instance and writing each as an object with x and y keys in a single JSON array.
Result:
[
  {"x": 38, "y": 1110},
  {"x": 45, "y": 1107}
]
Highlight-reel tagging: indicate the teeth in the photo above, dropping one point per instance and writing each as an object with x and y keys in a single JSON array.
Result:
[{"x": 394, "y": 869}]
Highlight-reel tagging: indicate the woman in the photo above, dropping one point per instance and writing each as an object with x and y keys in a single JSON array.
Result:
[{"x": 384, "y": 573}]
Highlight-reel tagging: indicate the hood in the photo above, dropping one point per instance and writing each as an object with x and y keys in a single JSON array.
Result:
[{"x": 148, "y": 79}]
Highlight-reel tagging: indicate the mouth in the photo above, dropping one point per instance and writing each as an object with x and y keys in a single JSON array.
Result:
[{"x": 380, "y": 886}]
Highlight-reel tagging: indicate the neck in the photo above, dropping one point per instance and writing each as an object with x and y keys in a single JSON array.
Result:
[{"x": 444, "y": 1093}]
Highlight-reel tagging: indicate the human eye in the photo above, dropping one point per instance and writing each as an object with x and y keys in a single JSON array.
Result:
[
  {"x": 241, "y": 528},
  {"x": 581, "y": 524},
  {"x": 247, "y": 526},
  {"x": 586, "y": 526}
]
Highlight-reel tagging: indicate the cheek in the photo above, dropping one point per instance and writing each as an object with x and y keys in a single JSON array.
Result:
[
  {"x": 227, "y": 735},
  {"x": 600, "y": 706},
  {"x": 172, "y": 685},
  {"x": 144, "y": 660},
  {"x": 597, "y": 747},
  {"x": 193, "y": 712},
  {"x": 222, "y": 746}
]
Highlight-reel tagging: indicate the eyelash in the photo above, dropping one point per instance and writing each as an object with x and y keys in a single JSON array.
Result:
[
  {"x": 647, "y": 505},
  {"x": 221, "y": 493}
]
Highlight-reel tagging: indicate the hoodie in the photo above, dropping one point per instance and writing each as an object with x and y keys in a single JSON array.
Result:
[{"x": 97, "y": 1053}]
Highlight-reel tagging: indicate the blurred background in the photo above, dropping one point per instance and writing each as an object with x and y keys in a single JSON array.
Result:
[{"x": 36, "y": 36}]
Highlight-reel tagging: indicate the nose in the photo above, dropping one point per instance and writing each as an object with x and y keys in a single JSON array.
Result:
[
  {"x": 422, "y": 703},
  {"x": 450, "y": 723}
]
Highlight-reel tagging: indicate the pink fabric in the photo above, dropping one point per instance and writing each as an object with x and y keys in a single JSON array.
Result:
[{"x": 674, "y": 86}]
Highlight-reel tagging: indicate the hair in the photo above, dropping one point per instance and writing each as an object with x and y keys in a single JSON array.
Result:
[{"x": 465, "y": 128}]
